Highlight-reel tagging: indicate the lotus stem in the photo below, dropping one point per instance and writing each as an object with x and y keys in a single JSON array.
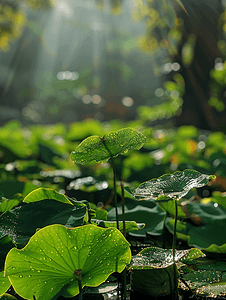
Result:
[
  {"x": 114, "y": 179},
  {"x": 115, "y": 193},
  {"x": 123, "y": 209},
  {"x": 175, "y": 230},
  {"x": 175, "y": 296},
  {"x": 80, "y": 297}
]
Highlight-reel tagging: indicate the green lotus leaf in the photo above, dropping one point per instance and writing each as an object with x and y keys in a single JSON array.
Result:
[
  {"x": 205, "y": 212},
  {"x": 22, "y": 222},
  {"x": 4, "y": 283},
  {"x": 213, "y": 290},
  {"x": 212, "y": 264},
  {"x": 129, "y": 225},
  {"x": 45, "y": 193},
  {"x": 174, "y": 186},
  {"x": 153, "y": 282},
  {"x": 210, "y": 237},
  {"x": 156, "y": 258},
  {"x": 101, "y": 149},
  {"x": 182, "y": 232},
  {"x": 202, "y": 277},
  {"x": 11, "y": 187},
  {"x": 8, "y": 204},
  {"x": 217, "y": 198},
  {"x": 142, "y": 212},
  {"x": 216, "y": 249},
  {"x": 193, "y": 254},
  {"x": 49, "y": 264},
  {"x": 6, "y": 244},
  {"x": 153, "y": 271},
  {"x": 169, "y": 207}
]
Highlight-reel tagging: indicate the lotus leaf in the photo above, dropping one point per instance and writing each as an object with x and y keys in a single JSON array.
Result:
[
  {"x": 8, "y": 204},
  {"x": 142, "y": 212},
  {"x": 54, "y": 258},
  {"x": 153, "y": 271},
  {"x": 45, "y": 193},
  {"x": 174, "y": 186},
  {"x": 129, "y": 225},
  {"x": 4, "y": 283},
  {"x": 213, "y": 290},
  {"x": 101, "y": 149},
  {"x": 22, "y": 222},
  {"x": 202, "y": 277}
]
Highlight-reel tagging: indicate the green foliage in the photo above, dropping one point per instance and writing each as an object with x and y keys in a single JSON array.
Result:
[
  {"x": 149, "y": 213},
  {"x": 34, "y": 188},
  {"x": 173, "y": 186},
  {"x": 43, "y": 194},
  {"x": 55, "y": 257},
  {"x": 101, "y": 149},
  {"x": 4, "y": 284}
]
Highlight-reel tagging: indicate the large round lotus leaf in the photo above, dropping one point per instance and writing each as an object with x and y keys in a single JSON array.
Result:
[
  {"x": 11, "y": 187},
  {"x": 111, "y": 144},
  {"x": 204, "y": 213},
  {"x": 213, "y": 290},
  {"x": 153, "y": 282},
  {"x": 22, "y": 222},
  {"x": 55, "y": 256},
  {"x": 174, "y": 186},
  {"x": 201, "y": 277},
  {"x": 209, "y": 237},
  {"x": 44, "y": 194},
  {"x": 4, "y": 283},
  {"x": 156, "y": 258}
]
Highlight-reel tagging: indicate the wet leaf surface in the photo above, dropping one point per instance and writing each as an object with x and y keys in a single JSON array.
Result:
[
  {"x": 45, "y": 267},
  {"x": 44, "y": 194},
  {"x": 202, "y": 278},
  {"x": 4, "y": 283},
  {"x": 130, "y": 225},
  {"x": 104, "y": 288},
  {"x": 153, "y": 257},
  {"x": 113, "y": 143},
  {"x": 213, "y": 290},
  {"x": 22, "y": 222},
  {"x": 174, "y": 186}
]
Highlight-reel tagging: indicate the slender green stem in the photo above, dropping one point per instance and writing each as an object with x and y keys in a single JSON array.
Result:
[
  {"x": 123, "y": 209},
  {"x": 164, "y": 232},
  {"x": 80, "y": 297},
  {"x": 123, "y": 280},
  {"x": 115, "y": 193},
  {"x": 175, "y": 296},
  {"x": 175, "y": 230},
  {"x": 114, "y": 179}
]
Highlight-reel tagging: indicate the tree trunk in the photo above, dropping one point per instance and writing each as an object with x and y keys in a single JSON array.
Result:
[{"x": 203, "y": 23}]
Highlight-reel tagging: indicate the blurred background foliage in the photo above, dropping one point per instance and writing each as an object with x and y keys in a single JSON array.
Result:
[{"x": 157, "y": 61}]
